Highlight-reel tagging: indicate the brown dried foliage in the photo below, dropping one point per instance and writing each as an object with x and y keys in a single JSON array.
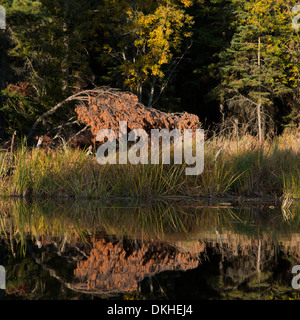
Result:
[
  {"x": 105, "y": 109},
  {"x": 110, "y": 268},
  {"x": 22, "y": 88}
]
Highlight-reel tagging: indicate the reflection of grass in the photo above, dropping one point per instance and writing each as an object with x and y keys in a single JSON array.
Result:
[
  {"x": 291, "y": 183},
  {"x": 242, "y": 168},
  {"x": 75, "y": 219},
  {"x": 161, "y": 221},
  {"x": 263, "y": 291}
]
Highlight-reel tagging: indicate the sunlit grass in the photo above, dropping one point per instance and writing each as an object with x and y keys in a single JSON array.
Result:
[{"x": 242, "y": 168}]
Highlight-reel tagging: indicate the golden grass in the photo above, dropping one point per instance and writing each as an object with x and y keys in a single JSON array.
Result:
[{"x": 242, "y": 168}]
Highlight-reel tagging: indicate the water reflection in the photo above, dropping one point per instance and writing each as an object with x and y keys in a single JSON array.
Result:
[
  {"x": 119, "y": 267},
  {"x": 83, "y": 250}
]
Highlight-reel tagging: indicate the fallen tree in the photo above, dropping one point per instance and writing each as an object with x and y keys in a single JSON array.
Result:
[{"x": 103, "y": 108}]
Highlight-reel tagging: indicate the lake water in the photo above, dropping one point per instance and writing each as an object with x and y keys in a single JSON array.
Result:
[{"x": 161, "y": 250}]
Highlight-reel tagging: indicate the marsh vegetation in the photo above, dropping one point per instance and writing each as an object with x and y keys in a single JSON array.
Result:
[{"x": 242, "y": 167}]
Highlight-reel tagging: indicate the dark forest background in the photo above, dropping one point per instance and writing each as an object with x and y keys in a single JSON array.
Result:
[{"x": 233, "y": 63}]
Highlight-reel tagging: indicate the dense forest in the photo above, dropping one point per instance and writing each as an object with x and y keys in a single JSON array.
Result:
[
  {"x": 78, "y": 224},
  {"x": 234, "y": 63}
]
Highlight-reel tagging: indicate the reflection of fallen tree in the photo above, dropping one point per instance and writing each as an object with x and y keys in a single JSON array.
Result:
[
  {"x": 113, "y": 268},
  {"x": 118, "y": 266}
]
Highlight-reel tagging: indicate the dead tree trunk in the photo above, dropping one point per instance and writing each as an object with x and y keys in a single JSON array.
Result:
[{"x": 259, "y": 105}]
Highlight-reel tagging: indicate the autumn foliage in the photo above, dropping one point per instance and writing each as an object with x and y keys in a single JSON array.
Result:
[
  {"x": 113, "y": 267},
  {"x": 105, "y": 109},
  {"x": 23, "y": 88}
]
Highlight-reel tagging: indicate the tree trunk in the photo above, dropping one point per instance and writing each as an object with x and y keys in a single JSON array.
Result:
[
  {"x": 259, "y": 101},
  {"x": 65, "y": 69},
  {"x": 66, "y": 42},
  {"x": 152, "y": 92},
  {"x": 3, "y": 60},
  {"x": 140, "y": 92},
  {"x": 259, "y": 122},
  {"x": 3, "y": 71},
  {"x": 258, "y": 259}
]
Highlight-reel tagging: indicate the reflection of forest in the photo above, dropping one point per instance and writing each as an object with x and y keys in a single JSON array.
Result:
[
  {"x": 119, "y": 266},
  {"x": 106, "y": 266},
  {"x": 176, "y": 247}
]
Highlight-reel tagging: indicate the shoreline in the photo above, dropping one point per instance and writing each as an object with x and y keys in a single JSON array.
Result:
[{"x": 223, "y": 201}]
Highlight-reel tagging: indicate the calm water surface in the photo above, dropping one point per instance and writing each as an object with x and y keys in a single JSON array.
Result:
[{"x": 163, "y": 250}]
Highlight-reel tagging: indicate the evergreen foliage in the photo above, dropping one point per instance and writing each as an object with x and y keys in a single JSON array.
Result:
[{"x": 214, "y": 58}]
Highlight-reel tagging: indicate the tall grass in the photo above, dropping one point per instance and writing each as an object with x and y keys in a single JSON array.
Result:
[
  {"x": 3, "y": 157},
  {"x": 242, "y": 168},
  {"x": 246, "y": 168}
]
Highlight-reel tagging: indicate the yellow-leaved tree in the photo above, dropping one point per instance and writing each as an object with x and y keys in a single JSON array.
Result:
[{"x": 146, "y": 38}]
